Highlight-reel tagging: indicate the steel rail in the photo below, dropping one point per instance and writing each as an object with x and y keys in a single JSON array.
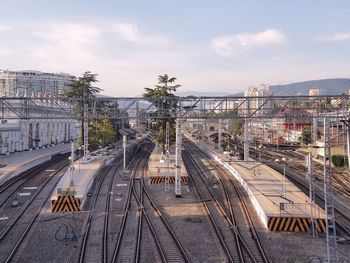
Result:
[
  {"x": 26, "y": 175},
  {"x": 191, "y": 166},
  {"x": 237, "y": 234},
  {"x": 140, "y": 200},
  {"x": 83, "y": 248},
  {"x": 244, "y": 206},
  {"x": 10, "y": 226},
  {"x": 242, "y": 202},
  {"x": 125, "y": 215},
  {"x": 164, "y": 220}
]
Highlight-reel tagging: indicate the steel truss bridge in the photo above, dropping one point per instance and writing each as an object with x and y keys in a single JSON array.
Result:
[{"x": 294, "y": 107}]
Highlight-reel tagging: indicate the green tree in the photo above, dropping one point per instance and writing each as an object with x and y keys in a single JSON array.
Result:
[
  {"x": 225, "y": 145},
  {"x": 339, "y": 160},
  {"x": 164, "y": 100},
  {"x": 101, "y": 133},
  {"x": 236, "y": 127},
  {"x": 83, "y": 89},
  {"x": 306, "y": 135}
]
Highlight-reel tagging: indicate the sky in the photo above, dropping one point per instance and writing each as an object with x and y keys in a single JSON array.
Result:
[{"x": 209, "y": 45}]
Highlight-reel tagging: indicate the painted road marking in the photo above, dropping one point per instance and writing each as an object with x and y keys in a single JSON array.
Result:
[
  {"x": 4, "y": 218},
  {"x": 30, "y": 188},
  {"x": 24, "y": 194},
  {"x": 122, "y": 185},
  {"x": 50, "y": 170}
]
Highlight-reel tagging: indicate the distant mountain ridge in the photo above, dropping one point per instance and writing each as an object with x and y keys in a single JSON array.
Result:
[
  {"x": 202, "y": 93},
  {"x": 326, "y": 87},
  {"x": 335, "y": 86}
]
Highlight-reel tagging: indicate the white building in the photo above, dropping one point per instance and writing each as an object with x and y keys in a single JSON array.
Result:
[
  {"x": 21, "y": 135},
  {"x": 259, "y": 103},
  {"x": 314, "y": 92},
  {"x": 33, "y": 83},
  {"x": 26, "y": 134}
]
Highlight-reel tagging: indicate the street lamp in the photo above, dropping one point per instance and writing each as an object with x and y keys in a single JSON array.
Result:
[{"x": 283, "y": 161}]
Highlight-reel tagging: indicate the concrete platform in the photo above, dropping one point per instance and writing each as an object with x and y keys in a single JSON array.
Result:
[
  {"x": 66, "y": 198},
  {"x": 16, "y": 163},
  {"x": 264, "y": 187}
]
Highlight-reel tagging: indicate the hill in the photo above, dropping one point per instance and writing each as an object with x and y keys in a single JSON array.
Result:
[{"x": 326, "y": 87}]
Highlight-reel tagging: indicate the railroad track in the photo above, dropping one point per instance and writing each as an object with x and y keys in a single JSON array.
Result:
[
  {"x": 166, "y": 246},
  {"x": 239, "y": 213},
  {"x": 170, "y": 243},
  {"x": 340, "y": 182},
  {"x": 222, "y": 226},
  {"x": 126, "y": 247},
  {"x": 94, "y": 247},
  {"x": 14, "y": 184},
  {"x": 15, "y": 232},
  {"x": 248, "y": 244}
]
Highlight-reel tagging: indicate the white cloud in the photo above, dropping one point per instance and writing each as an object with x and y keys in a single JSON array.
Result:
[
  {"x": 334, "y": 37},
  {"x": 66, "y": 42},
  {"x": 223, "y": 45},
  {"x": 262, "y": 39},
  {"x": 131, "y": 33},
  {"x": 128, "y": 32},
  {"x": 227, "y": 45}
]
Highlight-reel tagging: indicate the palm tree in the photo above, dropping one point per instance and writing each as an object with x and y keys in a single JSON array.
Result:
[
  {"x": 165, "y": 81},
  {"x": 163, "y": 98}
]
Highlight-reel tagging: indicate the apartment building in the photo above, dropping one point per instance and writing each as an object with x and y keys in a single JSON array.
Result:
[{"x": 29, "y": 83}]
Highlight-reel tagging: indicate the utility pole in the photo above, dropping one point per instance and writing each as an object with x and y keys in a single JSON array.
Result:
[
  {"x": 71, "y": 168},
  {"x": 246, "y": 141},
  {"x": 178, "y": 159},
  {"x": 313, "y": 228},
  {"x": 86, "y": 132},
  {"x": 246, "y": 134},
  {"x": 167, "y": 152},
  {"x": 314, "y": 135},
  {"x": 328, "y": 194},
  {"x": 124, "y": 152},
  {"x": 220, "y": 135},
  {"x": 347, "y": 124},
  {"x": 137, "y": 114}
]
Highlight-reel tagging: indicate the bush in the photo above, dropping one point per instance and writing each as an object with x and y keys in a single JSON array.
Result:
[
  {"x": 338, "y": 160},
  {"x": 225, "y": 145}
]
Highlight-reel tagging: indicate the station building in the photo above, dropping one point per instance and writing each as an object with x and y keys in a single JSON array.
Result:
[
  {"x": 26, "y": 134},
  {"x": 22, "y": 135}
]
